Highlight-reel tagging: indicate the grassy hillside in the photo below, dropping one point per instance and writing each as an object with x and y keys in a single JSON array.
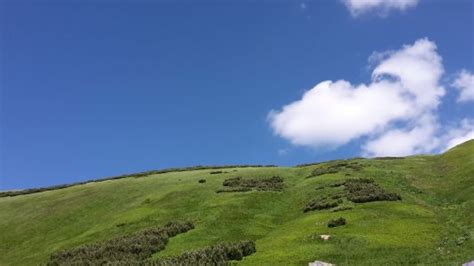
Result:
[{"x": 433, "y": 223}]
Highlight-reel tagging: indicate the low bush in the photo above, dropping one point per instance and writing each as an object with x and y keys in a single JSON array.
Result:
[
  {"x": 336, "y": 222},
  {"x": 121, "y": 250},
  {"x": 366, "y": 190},
  {"x": 232, "y": 182},
  {"x": 337, "y": 196},
  {"x": 335, "y": 168},
  {"x": 389, "y": 158},
  {"x": 308, "y": 164},
  {"x": 202, "y": 181},
  {"x": 234, "y": 189},
  {"x": 235, "y": 184},
  {"x": 216, "y": 172},
  {"x": 220, "y": 254},
  {"x": 321, "y": 204},
  {"x": 274, "y": 183},
  {"x": 323, "y": 171}
]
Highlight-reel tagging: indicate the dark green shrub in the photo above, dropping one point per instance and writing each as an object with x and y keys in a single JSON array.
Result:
[
  {"x": 215, "y": 172},
  {"x": 320, "y": 204},
  {"x": 322, "y": 171},
  {"x": 121, "y": 250},
  {"x": 308, "y": 164},
  {"x": 337, "y": 196},
  {"x": 366, "y": 190},
  {"x": 235, "y": 184},
  {"x": 335, "y": 167},
  {"x": 337, "y": 222},
  {"x": 234, "y": 189},
  {"x": 232, "y": 182},
  {"x": 274, "y": 183},
  {"x": 219, "y": 254},
  {"x": 389, "y": 158},
  {"x": 202, "y": 181}
]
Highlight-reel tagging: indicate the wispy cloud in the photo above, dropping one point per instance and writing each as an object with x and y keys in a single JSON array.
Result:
[
  {"x": 464, "y": 82},
  {"x": 283, "y": 152},
  {"x": 360, "y": 7}
]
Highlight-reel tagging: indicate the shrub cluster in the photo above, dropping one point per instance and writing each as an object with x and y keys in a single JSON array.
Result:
[
  {"x": 217, "y": 172},
  {"x": 337, "y": 222},
  {"x": 335, "y": 168},
  {"x": 321, "y": 204},
  {"x": 140, "y": 174},
  {"x": 220, "y": 254},
  {"x": 323, "y": 171},
  {"x": 235, "y": 184},
  {"x": 389, "y": 158},
  {"x": 366, "y": 190},
  {"x": 308, "y": 164},
  {"x": 128, "y": 249},
  {"x": 352, "y": 160},
  {"x": 357, "y": 190},
  {"x": 234, "y": 189},
  {"x": 202, "y": 181}
]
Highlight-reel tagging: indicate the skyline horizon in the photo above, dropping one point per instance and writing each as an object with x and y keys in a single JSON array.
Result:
[{"x": 102, "y": 89}]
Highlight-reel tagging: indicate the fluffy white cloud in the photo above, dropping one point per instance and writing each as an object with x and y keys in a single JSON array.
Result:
[
  {"x": 394, "y": 115},
  {"x": 418, "y": 69},
  {"x": 333, "y": 113},
  {"x": 405, "y": 141},
  {"x": 464, "y": 82},
  {"x": 358, "y": 7},
  {"x": 404, "y": 89}
]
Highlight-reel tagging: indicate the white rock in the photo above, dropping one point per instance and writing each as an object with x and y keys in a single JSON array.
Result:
[
  {"x": 325, "y": 237},
  {"x": 320, "y": 263}
]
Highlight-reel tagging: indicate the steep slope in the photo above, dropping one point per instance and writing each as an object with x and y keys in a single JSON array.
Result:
[{"x": 433, "y": 222}]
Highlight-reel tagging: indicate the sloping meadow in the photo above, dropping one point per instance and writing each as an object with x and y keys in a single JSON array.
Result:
[{"x": 385, "y": 211}]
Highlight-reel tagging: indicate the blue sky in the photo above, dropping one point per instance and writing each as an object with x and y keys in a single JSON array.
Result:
[{"x": 96, "y": 89}]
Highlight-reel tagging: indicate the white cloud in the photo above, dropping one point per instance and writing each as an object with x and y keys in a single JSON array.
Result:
[
  {"x": 393, "y": 115},
  {"x": 359, "y": 7},
  {"x": 464, "y": 82},
  {"x": 404, "y": 90},
  {"x": 333, "y": 113},
  {"x": 405, "y": 141},
  {"x": 460, "y": 134},
  {"x": 418, "y": 69}
]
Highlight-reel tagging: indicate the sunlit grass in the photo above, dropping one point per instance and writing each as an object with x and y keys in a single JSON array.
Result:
[{"x": 436, "y": 209}]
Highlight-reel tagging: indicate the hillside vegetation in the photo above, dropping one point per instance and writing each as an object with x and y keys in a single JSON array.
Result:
[{"x": 385, "y": 211}]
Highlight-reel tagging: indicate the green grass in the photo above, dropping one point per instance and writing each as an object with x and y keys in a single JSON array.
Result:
[{"x": 433, "y": 224}]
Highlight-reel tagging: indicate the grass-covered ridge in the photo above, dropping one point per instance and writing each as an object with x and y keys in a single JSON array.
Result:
[
  {"x": 136, "y": 175},
  {"x": 433, "y": 223}
]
